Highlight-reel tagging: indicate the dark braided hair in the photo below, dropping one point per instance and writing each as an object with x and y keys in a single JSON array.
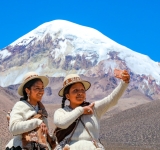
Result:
[
  {"x": 28, "y": 85},
  {"x": 63, "y": 101},
  {"x": 66, "y": 91}
]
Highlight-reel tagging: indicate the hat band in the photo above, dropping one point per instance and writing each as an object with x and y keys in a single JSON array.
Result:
[
  {"x": 31, "y": 76},
  {"x": 68, "y": 81}
]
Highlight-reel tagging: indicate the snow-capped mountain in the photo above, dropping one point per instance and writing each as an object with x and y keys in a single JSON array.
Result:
[{"x": 60, "y": 47}]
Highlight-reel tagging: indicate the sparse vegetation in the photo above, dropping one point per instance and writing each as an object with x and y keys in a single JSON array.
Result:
[
  {"x": 137, "y": 128},
  {"x": 5, "y": 136}
]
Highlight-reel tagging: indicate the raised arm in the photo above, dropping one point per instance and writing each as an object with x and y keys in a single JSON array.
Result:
[{"x": 111, "y": 100}]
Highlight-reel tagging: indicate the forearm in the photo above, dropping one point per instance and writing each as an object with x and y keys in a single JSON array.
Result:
[
  {"x": 103, "y": 105},
  {"x": 19, "y": 116},
  {"x": 63, "y": 119},
  {"x": 20, "y": 127}
]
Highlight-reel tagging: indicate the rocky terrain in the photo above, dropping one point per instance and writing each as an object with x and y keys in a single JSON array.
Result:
[
  {"x": 125, "y": 127},
  {"x": 7, "y": 100},
  {"x": 135, "y": 128},
  {"x": 58, "y": 48},
  {"x": 101, "y": 87}
]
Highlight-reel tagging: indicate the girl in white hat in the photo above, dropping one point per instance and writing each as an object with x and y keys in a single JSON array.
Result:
[
  {"x": 31, "y": 90},
  {"x": 85, "y": 132}
]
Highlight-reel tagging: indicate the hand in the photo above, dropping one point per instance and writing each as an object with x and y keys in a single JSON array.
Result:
[
  {"x": 44, "y": 128},
  {"x": 66, "y": 147},
  {"x": 125, "y": 76},
  {"x": 88, "y": 110}
]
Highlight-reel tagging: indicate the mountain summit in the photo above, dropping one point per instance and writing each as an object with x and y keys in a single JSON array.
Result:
[{"x": 61, "y": 47}]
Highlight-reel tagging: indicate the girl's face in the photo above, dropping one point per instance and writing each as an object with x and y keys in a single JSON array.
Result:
[
  {"x": 36, "y": 92},
  {"x": 76, "y": 95}
]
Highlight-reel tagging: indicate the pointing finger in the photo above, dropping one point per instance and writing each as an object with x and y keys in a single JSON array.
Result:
[{"x": 91, "y": 105}]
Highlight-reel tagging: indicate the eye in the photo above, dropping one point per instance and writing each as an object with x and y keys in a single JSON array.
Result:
[
  {"x": 75, "y": 91},
  {"x": 83, "y": 91},
  {"x": 39, "y": 89},
  {"x": 79, "y": 91}
]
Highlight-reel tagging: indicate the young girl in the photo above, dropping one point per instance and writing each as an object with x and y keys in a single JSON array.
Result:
[
  {"x": 86, "y": 133},
  {"x": 31, "y": 90}
]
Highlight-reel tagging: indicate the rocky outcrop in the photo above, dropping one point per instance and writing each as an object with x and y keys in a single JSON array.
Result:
[
  {"x": 47, "y": 49},
  {"x": 135, "y": 128},
  {"x": 56, "y": 54}
]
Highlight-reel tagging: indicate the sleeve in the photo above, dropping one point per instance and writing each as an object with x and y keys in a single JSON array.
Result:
[
  {"x": 18, "y": 124},
  {"x": 63, "y": 119},
  {"x": 111, "y": 100}
]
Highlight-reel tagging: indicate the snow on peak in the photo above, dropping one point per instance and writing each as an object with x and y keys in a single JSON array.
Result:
[
  {"x": 4, "y": 53},
  {"x": 64, "y": 27},
  {"x": 89, "y": 39}
]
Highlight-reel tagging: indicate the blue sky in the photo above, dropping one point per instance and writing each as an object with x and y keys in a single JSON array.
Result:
[{"x": 132, "y": 23}]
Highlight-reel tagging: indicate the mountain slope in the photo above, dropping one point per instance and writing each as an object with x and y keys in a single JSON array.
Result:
[
  {"x": 60, "y": 47},
  {"x": 7, "y": 100},
  {"x": 137, "y": 127}
]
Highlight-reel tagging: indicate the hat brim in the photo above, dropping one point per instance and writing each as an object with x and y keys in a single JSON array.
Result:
[
  {"x": 86, "y": 84},
  {"x": 44, "y": 79}
]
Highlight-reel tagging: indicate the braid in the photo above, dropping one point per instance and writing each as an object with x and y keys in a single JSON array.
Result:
[
  {"x": 25, "y": 96},
  {"x": 66, "y": 91},
  {"x": 63, "y": 101}
]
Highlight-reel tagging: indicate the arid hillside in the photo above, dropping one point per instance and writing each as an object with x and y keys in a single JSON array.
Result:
[
  {"x": 125, "y": 127},
  {"x": 7, "y": 100},
  {"x": 135, "y": 128}
]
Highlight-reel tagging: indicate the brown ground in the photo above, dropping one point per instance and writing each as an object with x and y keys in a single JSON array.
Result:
[
  {"x": 136, "y": 128},
  {"x": 124, "y": 127},
  {"x": 7, "y": 100}
]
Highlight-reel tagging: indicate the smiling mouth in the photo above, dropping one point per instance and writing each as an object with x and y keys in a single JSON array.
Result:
[{"x": 79, "y": 97}]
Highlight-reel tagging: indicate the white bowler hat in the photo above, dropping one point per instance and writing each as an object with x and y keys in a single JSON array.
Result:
[
  {"x": 73, "y": 78},
  {"x": 29, "y": 76}
]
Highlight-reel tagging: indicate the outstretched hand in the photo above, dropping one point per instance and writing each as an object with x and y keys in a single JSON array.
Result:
[
  {"x": 125, "y": 76},
  {"x": 122, "y": 74},
  {"x": 88, "y": 110}
]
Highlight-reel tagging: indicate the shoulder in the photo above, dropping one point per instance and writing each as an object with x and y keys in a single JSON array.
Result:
[
  {"x": 67, "y": 109},
  {"x": 20, "y": 105},
  {"x": 63, "y": 110}
]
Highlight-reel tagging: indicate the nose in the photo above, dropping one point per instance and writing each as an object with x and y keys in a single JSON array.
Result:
[{"x": 80, "y": 93}]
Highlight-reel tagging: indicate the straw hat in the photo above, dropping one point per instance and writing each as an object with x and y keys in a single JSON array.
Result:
[
  {"x": 29, "y": 76},
  {"x": 73, "y": 78}
]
